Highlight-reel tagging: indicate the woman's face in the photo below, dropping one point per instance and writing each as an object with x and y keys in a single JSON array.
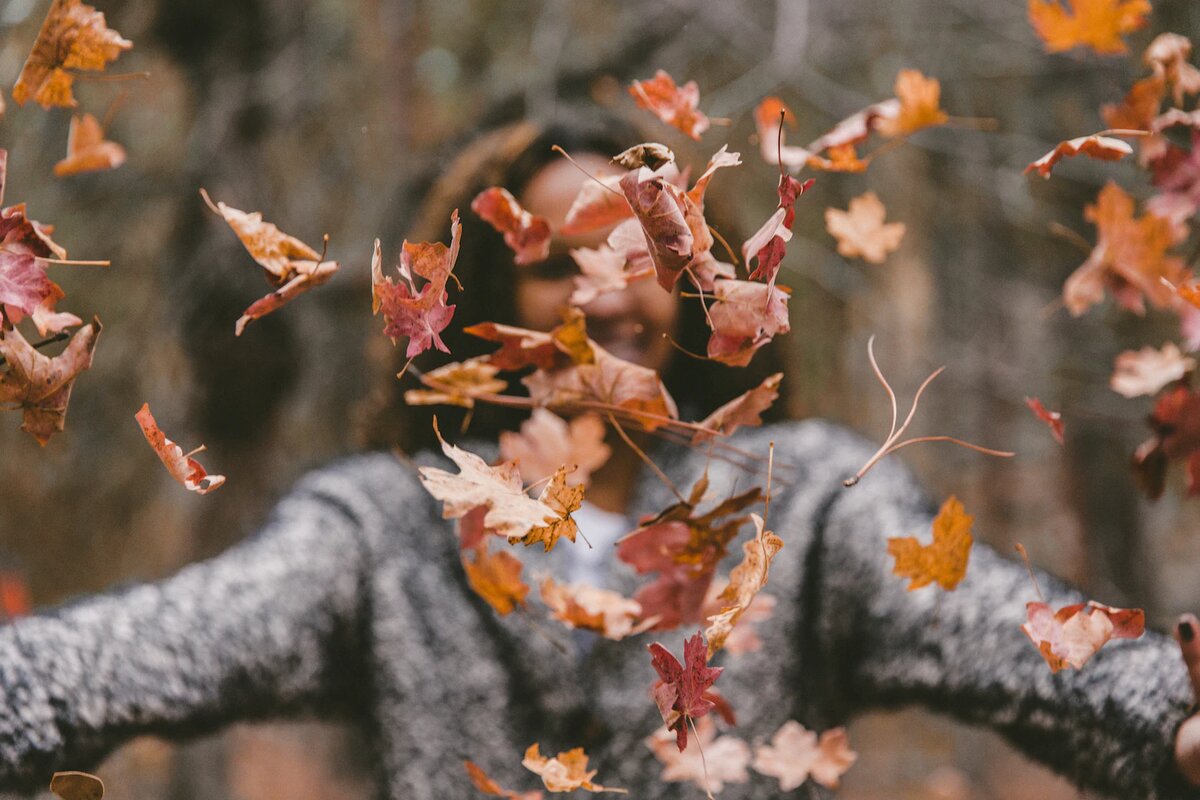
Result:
[{"x": 630, "y": 323}]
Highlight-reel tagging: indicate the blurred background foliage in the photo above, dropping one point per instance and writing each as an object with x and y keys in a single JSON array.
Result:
[{"x": 326, "y": 114}]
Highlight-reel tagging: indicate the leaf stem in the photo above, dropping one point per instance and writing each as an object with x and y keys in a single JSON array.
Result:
[{"x": 645, "y": 458}]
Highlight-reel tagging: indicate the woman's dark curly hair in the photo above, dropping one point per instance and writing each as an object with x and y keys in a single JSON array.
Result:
[{"x": 509, "y": 156}]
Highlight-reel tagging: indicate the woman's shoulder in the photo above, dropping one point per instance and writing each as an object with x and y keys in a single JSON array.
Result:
[{"x": 366, "y": 483}]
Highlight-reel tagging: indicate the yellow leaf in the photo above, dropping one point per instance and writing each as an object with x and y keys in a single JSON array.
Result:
[
  {"x": 1097, "y": 24},
  {"x": 945, "y": 560}
]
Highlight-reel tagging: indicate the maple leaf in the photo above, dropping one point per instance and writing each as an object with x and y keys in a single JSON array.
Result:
[
  {"x": 1168, "y": 56},
  {"x": 1098, "y": 24},
  {"x": 1130, "y": 257},
  {"x": 944, "y": 560},
  {"x": 674, "y": 105},
  {"x": 706, "y": 270},
  {"x": 73, "y": 36},
  {"x": 1175, "y": 423},
  {"x": 659, "y": 208},
  {"x": 604, "y": 270},
  {"x": 920, "y": 99},
  {"x": 77, "y": 786},
  {"x": 599, "y": 204},
  {"x": 519, "y": 347},
  {"x": 744, "y": 637},
  {"x": 796, "y": 754},
  {"x": 724, "y": 759},
  {"x": 182, "y": 467},
  {"x": 1053, "y": 419},
  {"x": 457, "y": 384},
  {"x": 510, "y": 513},
  {"x": 547, "y": 441},
  {"x": 41, "y": 386},
  {"x": 769, "y": 116},
  {"x": 1072, "y": 635},
  {"x": 563, "y": 500},
  {"x": 745, "y": 582},
  {"x": 288, "y": 263},
  {"x": 496, "y": 577},
  {"x": 860, "y": 230},
  {"x": 419, "y": 315},
  {"x": 588, "y": 608},
  {"x": 1145, "y": 371},
  {"x": 565, "y": 772},
  {"x": 1139, "y": 107},
  {"x": 745, "y": 316},
  {"x": 745, "y": 409},
  {"x": 682, "y": 692},
  {"x": 1104, "y": 148},
  {"x": 769, "y": 243},
  {"x": 87, "y": 149},
  {"x": 526, "y": 234},
  {"x": 488, "y": 786}
]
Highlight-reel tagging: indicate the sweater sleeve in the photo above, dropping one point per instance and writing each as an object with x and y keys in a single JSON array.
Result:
[
  {"x": 267, "y": 627},
  {"x": 1109, "y": 726}
]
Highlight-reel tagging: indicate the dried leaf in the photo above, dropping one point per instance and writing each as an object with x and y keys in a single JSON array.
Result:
[
  {"x": 682, "y": 692},
  {"x": 943, "y": 561},
  {"x": 651, "y": 155},
  {"x": 796, "y": 754},
  {"x": 1145, "y": 371},
  {"x": 745, "y": 409},
  {"x": 565, "y": 772},
  {"x": 87, "y": 149},
  {"x": 73, "y": 36},
  {"x": 659, "y": 208},
  {"x": 1104, "y": 148},
  {"x": 526, "y": 234},
  {"x": 1053, "y": 419},
  {"x": 746, "y": 316},
  {"x": 183, "y": 468},
  {"x": 496, "y": 577},
  {"x": 563, "y": 500},
  {"x": 604, "y": 270},
  {"x": 547, "y": 441},
  {"x": 1072, "y": 635},
  {"x": 419, "y": 315},
  {"x": 768, "y": 120},
  {"x": 724, "y": 761},
  {"x": 77, "y": 786},
  {"x": 745, "y": 582},
  {"x": 1175, "y": 423},
  {"x": 860, "y": 230},
  {"x": 588, "y": 608},
  {"x": 1098, "y": 24},
  {"x": 674, "y": 105},
  {"x": 769, "y": 243},
  {"x": 920, "y": 99},
  {"x": 600, "y": 203},
  {"x": 488, "y": 786},
  {"x": 1168, "y": 55},
  {"x": 457, "y": 384},
  {"x": 41, "y": 386}
]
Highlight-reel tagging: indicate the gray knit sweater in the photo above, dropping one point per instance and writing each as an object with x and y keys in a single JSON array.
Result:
[{"x": 352, "y": 601}]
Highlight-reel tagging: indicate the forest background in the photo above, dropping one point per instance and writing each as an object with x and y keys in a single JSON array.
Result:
[{"x": 329, "y": 114}]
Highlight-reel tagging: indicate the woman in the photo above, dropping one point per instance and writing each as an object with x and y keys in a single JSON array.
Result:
[{"x": 352, "y": 599}]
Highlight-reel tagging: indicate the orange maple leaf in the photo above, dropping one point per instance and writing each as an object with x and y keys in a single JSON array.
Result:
[
  {"x": 496, "y": 577},
  {"x": 860, "y": 230},
  {"x": 1098, "y": 24},
  {"x": 674, "y": 105},
  {"x": 488, "y": 786},
  {"x": 565, "y": 772},
  {"x": 943, "y": 561},
  {"x": 457, "y": 384},
  {"x": 1104, "y": 148},
  {"x": 588, "y": 608},
  {"x": 73, "y": 36},
  {"x": 920, "y": 99},
  {"x": 87, "y": 149}
]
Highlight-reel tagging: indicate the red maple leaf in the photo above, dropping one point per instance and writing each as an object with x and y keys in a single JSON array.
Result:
[
  {"x": 419, "y": 315},
  {"x": 527, "y": 234},
  {"x": 682, "y": 691}
]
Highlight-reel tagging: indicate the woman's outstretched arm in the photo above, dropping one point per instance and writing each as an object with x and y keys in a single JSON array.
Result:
[
  {"x": 1110, "y": 726},
  {"x": 267, "y": 627}
]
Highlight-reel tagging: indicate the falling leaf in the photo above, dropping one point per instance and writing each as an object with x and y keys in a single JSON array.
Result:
[
  {"x": 1104, "y": 148},
  {"x": 682, "y": 692},
  {"x": 15, "y": 600},
  {"x": 944, "y": 560},
  {"x": 565, "y": 772},
  {"x": 745, "y": 582},
  {"x": 519, "y": 347},
  {"x": 604, "y": 270},
  {"x": 769, "y": 243},
  {"x": 496, "y": 577},
  {"x": 182, "y": 467},
  {"x": 920, "y": 99},
  {"x": 1175, "y": 423},
  {"x": 563, "y": 500},
  {"x": 526, "y": 234},
  {"x": 1169, "y": 56},
  {"x": 547, "y": 441},
  {"x": 660, "y": 210},
  {"x": 77, "y": 786},
  {"x": 769, "y": 117},
  {"x": 511, "y": 512},
  {"x": 599, "y": 204},
  {"x": 457, "y": 384},
  {"x": 745, "y": 409},
  {"x": 73, "y": 36},
  {"x": 1139, "y": 107},
  {"x": 87, "y": 149},
  {"x": 724, "y": 759},
  {"x": 1053, "y": 419},
  {"x": 488, "y": 786},
  {"x": 41, "y": 386},
  {"x": 674, "y": 105},
  {"x": 419, "y": 315},
  {"x": 860, "y": 230},
  {"x": 651, "y": 155},
  {"x": 746, "y": 316},
  {"x": 796, "y": 754},
  {"x": 1145, "y": 371},
  {"x": 744, "y": 638},
  {"x": 1072, "y": 635},
  {"x": 1098, "y": 24},
  {"x": 588, "y": 608},
  {"x": 288, "y": 263}
]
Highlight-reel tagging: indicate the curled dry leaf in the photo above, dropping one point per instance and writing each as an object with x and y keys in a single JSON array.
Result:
[
  {"x": 1175, "y": 423},
  {"x": 182, "y": 467},
  {"x": 546, "y": 441},
  {"x": 744, "y": 638},
  {"x": 745, "y": 316},
  {"x": 796, "y": 754},
  {"x": 599, "y": 204},
  {"x": 944, "y": 560},
  {"x": 1072, "y": 635},
  {"x": 419, "y": 315},
  {"x": 745, "y": 582},
  {"x": 488, "y": 786},
  {"x": 588, "y": 608},
  {"x": 526, "y": 234},
  {"x": 659, "y": 208},
  {"x": 683, "y": 691},
  {"x": 41, "y": 386},
  {"x": 288, "y": 263},
  {"x": 769, "y": 243},
  {"x": 674, "y": 105},
  {"x": 920, "y": 105},
  {"x": 564, "y": 500},
  {"x": 566, "y": 772},
  {"x": 457, "y": 384},
  {"x": 651, "y": 155},
  {"x": 724, "y": 759},
  {"x": 769, "y": 116},
  {"x": 87, "y": 149},
  {"x": 1169, "y": 55},
  {"x": 77, "y": 786},
  {"x": 1145, "y": 371},
  {"x": 860, "y": 230},
  {"x": 73, "y": 36},
  {"x": 496, "y": 577},
  {"x": 1098, "y": 24},
  {"x": 1053, "y": 419},
  {"x": 745, "y": 409},
  {"x": 604, "y": 270},
  {"x": 1105, "y": 148}
]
